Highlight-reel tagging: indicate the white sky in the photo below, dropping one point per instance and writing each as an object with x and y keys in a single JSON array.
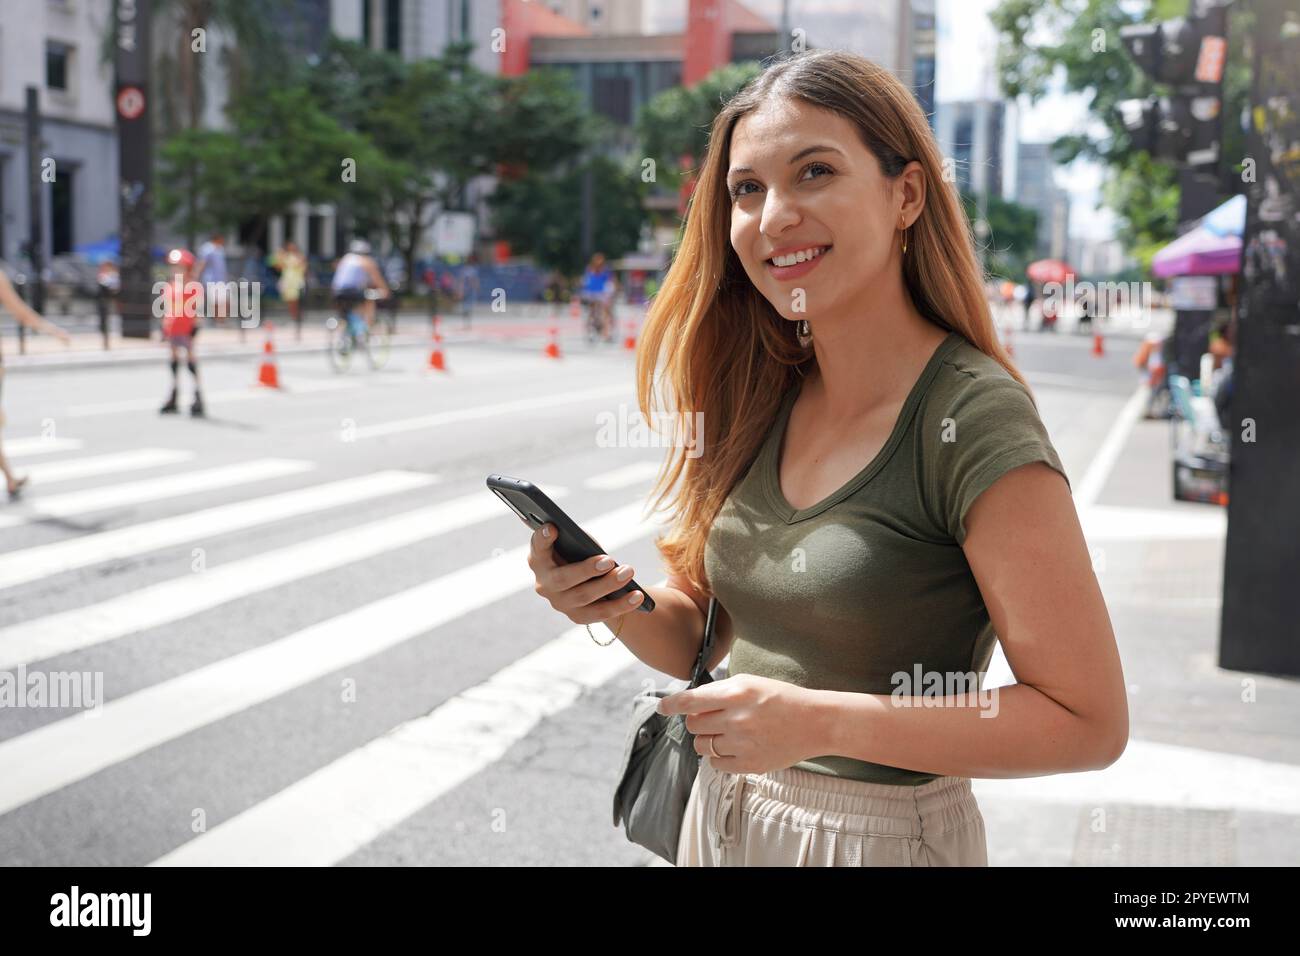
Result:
[{"x": 967, "y": 47}]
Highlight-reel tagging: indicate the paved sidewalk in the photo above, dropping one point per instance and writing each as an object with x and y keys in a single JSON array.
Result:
[
  {"x": 525, "y": 327},
  {"x": 86, "y": 349}
]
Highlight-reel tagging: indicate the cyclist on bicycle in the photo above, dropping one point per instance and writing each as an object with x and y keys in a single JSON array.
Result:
[{"x": 356, "y": 272}]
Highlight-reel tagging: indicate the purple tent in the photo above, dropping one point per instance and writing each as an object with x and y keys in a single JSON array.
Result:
[{"x": 1212, "y": 248}]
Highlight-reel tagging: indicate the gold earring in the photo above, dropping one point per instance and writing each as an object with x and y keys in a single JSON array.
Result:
[{"x": 901, "y": 225}]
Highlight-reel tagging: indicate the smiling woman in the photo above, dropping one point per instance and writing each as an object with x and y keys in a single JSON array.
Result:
[{"x": 879, "y": 503}]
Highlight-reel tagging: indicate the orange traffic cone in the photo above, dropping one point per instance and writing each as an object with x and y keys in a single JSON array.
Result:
[
  {"x": 268, "y": 374},
  {"x": 435, "y": 357},
  {"x": 1097, "y": 348},
  {"x": 629, "y": 343},
  {"x": 575, "y": 312},
  {"x": 552, "y": 349}
]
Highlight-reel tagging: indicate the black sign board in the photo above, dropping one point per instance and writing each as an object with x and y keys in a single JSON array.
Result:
[{"x": 135, "y": 164}]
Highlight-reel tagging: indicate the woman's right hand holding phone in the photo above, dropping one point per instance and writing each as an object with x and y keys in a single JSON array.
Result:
[{"x": 577, "y": 589}]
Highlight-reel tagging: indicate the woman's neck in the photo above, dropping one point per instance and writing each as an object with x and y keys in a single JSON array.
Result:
[{"x": 871, "y": 361}]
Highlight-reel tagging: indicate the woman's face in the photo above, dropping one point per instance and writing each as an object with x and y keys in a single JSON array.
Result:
[{"x": 800, "y": 180}]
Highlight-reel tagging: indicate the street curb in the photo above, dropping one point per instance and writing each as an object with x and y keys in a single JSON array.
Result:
[
  {"x": 148, "y": 356},
  {"x": 142, "y": 356}
]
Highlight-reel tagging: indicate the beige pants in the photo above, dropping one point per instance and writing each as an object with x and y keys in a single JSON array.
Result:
[{"x": 794, "y": 817}]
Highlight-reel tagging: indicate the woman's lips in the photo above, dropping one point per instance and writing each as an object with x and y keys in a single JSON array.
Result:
[{"x": 799, "y": 269}]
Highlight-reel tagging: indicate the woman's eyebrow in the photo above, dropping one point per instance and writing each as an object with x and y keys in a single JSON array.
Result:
[{"x": 793, "y": 159}]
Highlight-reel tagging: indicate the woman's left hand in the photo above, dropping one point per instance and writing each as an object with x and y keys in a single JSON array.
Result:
[{"x": 757, "y": 724}]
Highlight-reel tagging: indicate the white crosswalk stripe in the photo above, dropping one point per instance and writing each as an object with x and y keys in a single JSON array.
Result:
[
  {"x": 39, "y": 445},
  {"x": 61, "y": 753},
  {"x": 174, "y": 600},
  {"x": 478, "y": 412},
  {"x": 155, "y": 489},
  {"x": 97, "y": 466},
  {"x": 32, "y": 564},
  {"x": 639, "y": 473},
  {"x": 340, "y": 808}
]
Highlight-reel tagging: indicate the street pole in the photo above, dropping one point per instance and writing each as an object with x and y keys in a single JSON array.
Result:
[
  {"x": 588, "y": 211},
  {"x": 133, "y": 20},
  {"x": 1262, "y": 553},
  {"x": 35, "y": 212}
]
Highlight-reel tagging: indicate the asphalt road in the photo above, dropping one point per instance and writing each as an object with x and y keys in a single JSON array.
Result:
[{"x": 317, "y": 635}]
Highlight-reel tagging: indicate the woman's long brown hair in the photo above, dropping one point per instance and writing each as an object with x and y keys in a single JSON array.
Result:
[{"x": 727, "y": 356}]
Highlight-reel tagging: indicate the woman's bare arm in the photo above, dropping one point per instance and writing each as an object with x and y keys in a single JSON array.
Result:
[
  {"x": 671, "y": 643},
  {"x": 12, "y": 302},
  {"x": 1068, "y": 710}
]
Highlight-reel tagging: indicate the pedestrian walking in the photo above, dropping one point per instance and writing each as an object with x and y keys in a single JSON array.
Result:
[
  {"x": 211, "y": 270},
  {"x": 292, "y": 266},
  {"x": 12, "y": 303},
  {"x": 469, "y": 289},
  {"x": 864, "y": 484}
]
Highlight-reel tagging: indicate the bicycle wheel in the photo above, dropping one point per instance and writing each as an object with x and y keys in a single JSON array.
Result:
[
  {"x": 379, "y": 344},
  {"x": 340, "y": 350}
]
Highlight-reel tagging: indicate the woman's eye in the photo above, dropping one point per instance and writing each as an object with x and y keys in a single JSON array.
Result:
[
  {"x": 822, "y": 166},
  {"x": 737, "y": 190}
]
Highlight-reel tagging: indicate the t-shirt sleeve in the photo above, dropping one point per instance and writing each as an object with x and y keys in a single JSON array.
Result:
[{"x": 988, "y": 428}]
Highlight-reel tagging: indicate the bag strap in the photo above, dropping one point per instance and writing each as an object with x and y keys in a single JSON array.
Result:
[{"x": 699, "y": 674}]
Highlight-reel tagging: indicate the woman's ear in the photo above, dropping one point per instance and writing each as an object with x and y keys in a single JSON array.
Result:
[{"x": 911, "y": 188}]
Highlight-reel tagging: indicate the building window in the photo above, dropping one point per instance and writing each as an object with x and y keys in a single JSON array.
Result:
[
  {"x": 612, "y": 97},
  {"x": 58, "y": 61},
  {"x": 365, "y": 23}
]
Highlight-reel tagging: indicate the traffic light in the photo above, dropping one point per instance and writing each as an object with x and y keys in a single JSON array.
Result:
[{"x": 1188, "y": 55}]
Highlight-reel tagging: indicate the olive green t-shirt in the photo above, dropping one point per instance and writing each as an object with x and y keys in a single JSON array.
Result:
[{"x": 872, "y": 581}]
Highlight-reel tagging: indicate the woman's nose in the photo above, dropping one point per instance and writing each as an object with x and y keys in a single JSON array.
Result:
[{"x": 779, "y": 212}]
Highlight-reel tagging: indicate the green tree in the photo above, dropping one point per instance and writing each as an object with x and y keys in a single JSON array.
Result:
[
  {"x": 255, "y": 55},
  {"x": 676, "y": 123},
  {"x": 1013, "y": 231},
  {"x": 439, "y": 124},
  {"x": 538, "y": 213},
  {"x": 281, "y": 147}
]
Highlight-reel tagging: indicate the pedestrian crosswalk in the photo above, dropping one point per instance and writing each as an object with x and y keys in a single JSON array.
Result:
[
  {"x": 330, "y": 814},
  {"x": 97, "y": 466},
  {"x": 342, "y": 805},
  {"x": 154, "y": 489},
  {"x": 39, "y": 445},
  {"x": 119, "y": 595}
]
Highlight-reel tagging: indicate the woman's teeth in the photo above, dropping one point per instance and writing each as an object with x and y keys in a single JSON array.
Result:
[{"x": 795, "y": 258}]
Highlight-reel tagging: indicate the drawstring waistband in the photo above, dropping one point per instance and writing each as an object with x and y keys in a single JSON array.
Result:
[
  {"x": 726, "y": 813},
  {"x": 897, "y": 810}
]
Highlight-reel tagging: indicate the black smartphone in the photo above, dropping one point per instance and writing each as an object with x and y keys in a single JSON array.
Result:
[{"x": 573, "y": 544}]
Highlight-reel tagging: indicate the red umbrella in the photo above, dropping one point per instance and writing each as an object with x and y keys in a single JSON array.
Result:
[{"x": 1049, "y": 270}]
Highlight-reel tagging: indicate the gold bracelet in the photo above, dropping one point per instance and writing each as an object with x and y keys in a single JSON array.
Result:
[{"x": 611, "y": 640}]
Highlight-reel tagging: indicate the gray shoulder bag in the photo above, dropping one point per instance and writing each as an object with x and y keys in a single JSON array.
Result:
[{"x": 660, "y": 763}]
